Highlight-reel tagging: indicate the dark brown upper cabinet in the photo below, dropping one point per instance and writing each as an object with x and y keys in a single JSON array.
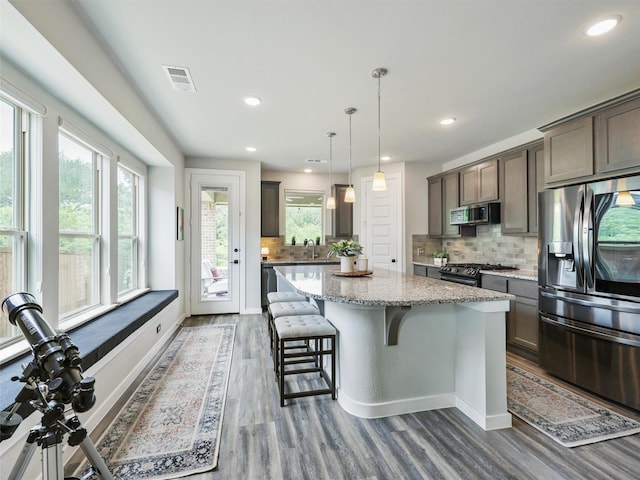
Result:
[
  {"x": 443, "y": 196},
  {"x": 596, "y": 143},
  {"x": 569, "y": 151},
  {"x": 617, "y": 138},
  {"x": 342, "y": 216},
  {"x": 270, "y": 209},
  {"x": 479, "y": 183},
  {"x": 521, "y": 177}
]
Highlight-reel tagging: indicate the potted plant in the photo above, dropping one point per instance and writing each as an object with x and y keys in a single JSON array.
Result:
[
  {"x": 293, "y": 240},
  {"x": 346, "y": 250},
  {"x": 440, "y": 258}
]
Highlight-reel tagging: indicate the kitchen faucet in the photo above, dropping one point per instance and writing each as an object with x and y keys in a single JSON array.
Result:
[{"x": 311, "y": 243}]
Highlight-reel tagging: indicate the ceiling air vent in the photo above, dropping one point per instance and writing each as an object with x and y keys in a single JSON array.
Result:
[
  {"x": 180, "y": 78},
  {"x": 315, "y": 160}
]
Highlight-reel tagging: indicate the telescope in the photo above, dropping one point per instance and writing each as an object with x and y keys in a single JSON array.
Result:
[{"x": 53, "y": 379}]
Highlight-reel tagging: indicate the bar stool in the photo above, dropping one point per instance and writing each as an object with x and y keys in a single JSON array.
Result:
[
  {"x": 319, "y": 338},
  {"x": 284, "y": 309},
  {"x": 277, "y": 297}
]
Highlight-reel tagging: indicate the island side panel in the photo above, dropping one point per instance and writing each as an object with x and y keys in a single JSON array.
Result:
[
  {"x": 481, "y": 384},
  {"x": 377, "y": 380}
]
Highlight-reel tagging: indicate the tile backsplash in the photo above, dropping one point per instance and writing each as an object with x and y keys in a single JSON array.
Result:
[
  {"x": 278, "y": 250},
  {"x": 488, "y": 246}
]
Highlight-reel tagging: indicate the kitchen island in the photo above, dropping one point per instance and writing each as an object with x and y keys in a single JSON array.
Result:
[{"x": 408, "y": 343}]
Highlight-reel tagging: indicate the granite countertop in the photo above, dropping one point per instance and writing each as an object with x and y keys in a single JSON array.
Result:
[
  {"x": 321, "y": 261},
  {"x": 520, "y": 274},
  {"x": 382, "y": 287}
]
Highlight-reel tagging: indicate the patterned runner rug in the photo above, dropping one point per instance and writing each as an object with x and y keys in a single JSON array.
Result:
[
  {"x": 569, "y": 419},
  {"x": 171, "y": 425}
]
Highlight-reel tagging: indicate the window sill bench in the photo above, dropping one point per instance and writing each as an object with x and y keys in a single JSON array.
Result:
[{"x": 94, "y": 339}]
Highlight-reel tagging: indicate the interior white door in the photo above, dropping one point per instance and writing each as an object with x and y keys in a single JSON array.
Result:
[
  {"x": 382, "y": 224},
  {"x": 215, "y": 244}
]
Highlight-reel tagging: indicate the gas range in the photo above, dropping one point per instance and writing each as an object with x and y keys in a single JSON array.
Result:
[{"x": 468, "y": 273}]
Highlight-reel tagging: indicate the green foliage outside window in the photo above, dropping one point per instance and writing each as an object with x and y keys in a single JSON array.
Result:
[{"x": 621, "y": 224}]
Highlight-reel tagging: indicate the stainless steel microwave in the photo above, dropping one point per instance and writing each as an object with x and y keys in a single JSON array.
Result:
[{"x": 479, "y": 214}]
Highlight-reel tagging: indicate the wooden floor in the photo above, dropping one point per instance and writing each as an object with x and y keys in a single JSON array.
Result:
[{"x": 313, "y": 438}]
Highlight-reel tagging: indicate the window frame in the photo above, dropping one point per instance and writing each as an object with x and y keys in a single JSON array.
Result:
[
  {"x": 322, "y": 195},
  {"x": 76, "y": 316},
  {"x": 18, "y": 230}
]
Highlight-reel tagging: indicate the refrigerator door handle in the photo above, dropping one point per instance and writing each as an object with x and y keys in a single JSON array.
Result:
[
  {"x": 577, "y": 238},
  {"x": 587, "y": 239}
]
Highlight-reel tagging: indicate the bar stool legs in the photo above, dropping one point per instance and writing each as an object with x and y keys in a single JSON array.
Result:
[{"x": 318, "y": 337}]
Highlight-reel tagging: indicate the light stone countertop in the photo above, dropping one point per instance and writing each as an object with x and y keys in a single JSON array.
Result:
[
  {"x": 321, "y": 261},
  {"x": 381, "y": 288},
  {"x": 519, "y": 273}
]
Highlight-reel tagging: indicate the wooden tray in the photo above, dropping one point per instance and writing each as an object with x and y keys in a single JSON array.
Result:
[{"x": 352, "y": 274}]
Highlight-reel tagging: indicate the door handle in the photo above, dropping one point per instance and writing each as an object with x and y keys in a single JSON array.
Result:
[
  {"x": 236, "y": 261},
  {"x": 393, "y": 260},
  {"x": 235, "y": 250}
]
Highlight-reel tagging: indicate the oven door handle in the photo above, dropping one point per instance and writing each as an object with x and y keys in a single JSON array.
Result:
[
  {"x": 462, "y": 281},
  {"x": 593, "y": 333},
  {"x": 593, "y": 301}
]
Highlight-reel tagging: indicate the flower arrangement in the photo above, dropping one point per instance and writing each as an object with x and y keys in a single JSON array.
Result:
[{"x": 345, "y": 248}]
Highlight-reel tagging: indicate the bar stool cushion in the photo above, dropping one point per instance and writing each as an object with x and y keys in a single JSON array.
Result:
[
  {"x": 286, "y": 309},
  {"x": 275, "y": 297},
  {"x": 297, "y": 326}
]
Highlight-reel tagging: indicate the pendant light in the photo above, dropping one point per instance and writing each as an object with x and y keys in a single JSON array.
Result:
[
  {"x": 379, "y": 183},
  {"x": 625, "y": 199},
  {"x": 331, "y": 200},
  {"x": 350, "y": 193}
]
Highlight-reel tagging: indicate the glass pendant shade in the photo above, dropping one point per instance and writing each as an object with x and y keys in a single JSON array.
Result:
[
  {"x": 350, "y": 194},
  {"x": 625, "y": 199},
  {"x": 331, "y": 202},
  {"x": 379, "y": 183}
]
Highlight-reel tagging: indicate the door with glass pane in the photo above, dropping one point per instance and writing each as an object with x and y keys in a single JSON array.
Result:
[{"x": 214, "y": 227}]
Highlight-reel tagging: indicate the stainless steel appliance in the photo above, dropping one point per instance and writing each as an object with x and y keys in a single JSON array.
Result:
[
  {"x": 467, "y": 273},
  {"x": 480, "y": 214},
  {"x": 589, "y": 286}
]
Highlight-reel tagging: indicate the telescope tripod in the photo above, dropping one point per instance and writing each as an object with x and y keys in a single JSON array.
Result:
[{"x": 49, "y": 435}]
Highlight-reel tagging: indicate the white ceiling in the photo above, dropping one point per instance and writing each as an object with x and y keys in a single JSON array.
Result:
[{"x": 500, "y": 67}]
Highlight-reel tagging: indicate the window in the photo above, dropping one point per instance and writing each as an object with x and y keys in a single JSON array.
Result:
[
  {"x": 127, "y": 230},
  {"x": 79, "y": 239},
  {"x": 303, "y": 212},
  {"x": 13, "y": 237}
]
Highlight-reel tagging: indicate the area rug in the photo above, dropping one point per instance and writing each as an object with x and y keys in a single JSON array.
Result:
[
  {"x": 171, "y": 425},
  {"x": 569, "y": 419}
]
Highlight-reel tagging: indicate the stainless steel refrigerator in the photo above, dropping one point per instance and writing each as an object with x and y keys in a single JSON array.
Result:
[{"x": 589, "y": 286}]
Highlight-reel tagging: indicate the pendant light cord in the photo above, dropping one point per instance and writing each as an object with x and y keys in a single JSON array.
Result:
[
  {"x": 350, "y": 150},
  {"x": 379, "y": 151}
]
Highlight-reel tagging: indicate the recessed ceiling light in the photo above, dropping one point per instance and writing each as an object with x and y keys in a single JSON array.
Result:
[
  {"x": 447, "y": 121},
  {"x": 385, "y": 158},
  {"x": 307, "y": 170},
  {"x": 252, "y": 101},
  {"x": 603, "y": 26},
  {"x": 251, "y": 149}
]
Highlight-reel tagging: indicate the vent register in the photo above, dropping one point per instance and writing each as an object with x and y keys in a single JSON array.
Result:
[{"x": 180, "y": 78}]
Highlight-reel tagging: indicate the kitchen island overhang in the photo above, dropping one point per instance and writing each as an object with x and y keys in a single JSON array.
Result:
[{"x": 408, "y": 343}]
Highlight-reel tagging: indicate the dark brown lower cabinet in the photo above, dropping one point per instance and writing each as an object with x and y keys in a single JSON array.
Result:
[{"x": 522, "y": 319}]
